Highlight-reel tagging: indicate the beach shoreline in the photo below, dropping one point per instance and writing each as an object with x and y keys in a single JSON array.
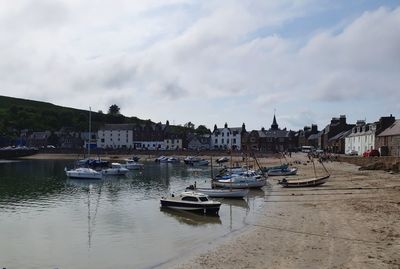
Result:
[{"x": 350, "y": 222}]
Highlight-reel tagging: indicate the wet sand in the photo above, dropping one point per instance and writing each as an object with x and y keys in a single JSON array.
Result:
[{"x": 353, "y": 221}]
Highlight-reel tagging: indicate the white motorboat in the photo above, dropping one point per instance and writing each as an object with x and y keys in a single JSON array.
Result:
[
  {"x": 131, "y": 164},
  {"x": 83, "y": 173},
  {"x": 161, "y": 159},
  {"x": 173, "y": 160},
  {"x": 288, "y": 171},
  {"x": 195, "y": 161},
  {"x": 191, "y": 201},
  {"x": 249, "y": 179},
  {"x": 116, "y": 169}
]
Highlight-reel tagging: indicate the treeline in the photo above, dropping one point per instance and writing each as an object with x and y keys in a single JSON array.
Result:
[{"x": 18, "y": 114}]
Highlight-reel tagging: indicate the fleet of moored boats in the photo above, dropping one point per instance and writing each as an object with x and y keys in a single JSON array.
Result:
[{"x": 229, "y": 183}]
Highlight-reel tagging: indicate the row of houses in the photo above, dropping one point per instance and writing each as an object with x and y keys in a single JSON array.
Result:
[{"x": 337, "y": 137}]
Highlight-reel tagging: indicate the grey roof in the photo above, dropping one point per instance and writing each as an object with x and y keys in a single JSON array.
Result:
[
  {"x": 394, "y": 129},
  {"x": 314, "y": 136},
  {"x": 341, "y": 135},
  {"x": 276, "y": 133}
]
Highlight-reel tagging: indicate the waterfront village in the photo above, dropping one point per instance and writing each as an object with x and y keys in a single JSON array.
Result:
[{"x": 338, "y": 136}]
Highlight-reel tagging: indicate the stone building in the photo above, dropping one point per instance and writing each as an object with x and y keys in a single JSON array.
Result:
[
  {"x": 337, "y": 126},
  {"x": 388, "y": 141},
  {"x": 272, "y": 140},
  {"x": 199, "y": 142}
]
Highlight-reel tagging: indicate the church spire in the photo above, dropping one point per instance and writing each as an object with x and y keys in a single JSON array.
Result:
[{"x": 274, "y": 125}]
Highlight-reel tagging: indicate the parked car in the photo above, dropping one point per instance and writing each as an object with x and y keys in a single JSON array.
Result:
[
  {"x": 371, "y": 153},
  {"x": 352, "y": 152}
]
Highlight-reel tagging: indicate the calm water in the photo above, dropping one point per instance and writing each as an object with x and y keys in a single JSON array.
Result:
[{"x": 49, "y": 221}]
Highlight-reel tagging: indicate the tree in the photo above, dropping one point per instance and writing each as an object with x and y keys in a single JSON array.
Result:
[
  {"x": 114, "y": 110},
  {"x": 189, "y": 125},
  {"x": 202, "y": 130}
]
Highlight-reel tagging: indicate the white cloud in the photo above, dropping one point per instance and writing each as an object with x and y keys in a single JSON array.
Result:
[{"x": 75, "y": 53}]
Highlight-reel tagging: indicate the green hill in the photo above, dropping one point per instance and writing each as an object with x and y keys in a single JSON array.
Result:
[{"x": 17, "y": 114}]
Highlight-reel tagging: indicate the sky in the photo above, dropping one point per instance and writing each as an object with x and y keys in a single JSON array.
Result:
[{"x": 209, "y": 61}]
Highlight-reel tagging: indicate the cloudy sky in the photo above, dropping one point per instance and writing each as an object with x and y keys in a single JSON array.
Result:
[{"x": 209, "y": 61}]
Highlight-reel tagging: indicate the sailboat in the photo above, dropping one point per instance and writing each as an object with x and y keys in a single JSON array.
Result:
[
  {"x": 85, "y": 172},
  {"x": 309, "y": 182}
]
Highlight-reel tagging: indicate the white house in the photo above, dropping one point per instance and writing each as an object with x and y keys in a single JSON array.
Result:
[
  {"x": 227, "y": 138},
  {"x": 362, "y": 138},
  {"x": 172, "y": 143},
  {"x": 115, "y": 136}
]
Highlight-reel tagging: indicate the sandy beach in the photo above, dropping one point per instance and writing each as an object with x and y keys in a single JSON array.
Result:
[{"x": 353, "y": 221}]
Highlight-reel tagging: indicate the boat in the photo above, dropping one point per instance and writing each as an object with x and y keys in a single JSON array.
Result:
[
  {"x": 131, "y": 164},
  {"x": 83, "y": 173},
  {"x": 283, "y": 171},
  {"x": 298, "y": 183},
  {"x": 191, "y": 201},
  {"x": 222, "y": 160},
  {"x": 220, "y": 193},
  {"x": 266, "y": 169},
  {"x": 92, "y": 163},
  {"x": 249, "y": 179},
  {"x": 173, "y": 160},
  {"x": 116, "y": 169},
  {"x": 161, "y": 159},
  {"x": 310, "y": 182},
  {"x": 195, "y": 161}
]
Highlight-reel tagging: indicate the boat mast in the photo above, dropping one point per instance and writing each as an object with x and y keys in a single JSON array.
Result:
[{"x": 90, "y": 130}]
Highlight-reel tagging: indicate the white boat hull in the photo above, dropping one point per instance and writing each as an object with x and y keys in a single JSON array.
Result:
[{"x": 224, "y": 193}]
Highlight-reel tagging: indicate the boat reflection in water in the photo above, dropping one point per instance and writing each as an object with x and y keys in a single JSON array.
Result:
[
  {"x": 241, "y": 203},
  {"x": 191, "y": 218}
]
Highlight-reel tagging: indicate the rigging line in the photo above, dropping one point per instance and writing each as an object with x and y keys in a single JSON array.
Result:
[{"x": 318, "y": 235}]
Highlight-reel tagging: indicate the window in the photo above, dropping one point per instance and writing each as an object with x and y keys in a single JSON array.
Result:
[
  {"x": 223, "y": 134},
  {"x": 227, "y": 134},
  {"x": 203, "y": 199},
  {"x": 222, "y": 141},
  {"x": 216, "y": 141},
  {"x": 234, "y": 141},
  {"x": 227, "y": 141},
  {"x": 189, "y": 198}
]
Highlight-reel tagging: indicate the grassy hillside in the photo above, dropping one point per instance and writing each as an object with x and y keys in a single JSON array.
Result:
[{"x": 17, "y": 114}]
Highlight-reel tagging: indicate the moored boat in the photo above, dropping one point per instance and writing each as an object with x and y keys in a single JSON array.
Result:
[
  {"x": 131, "y": 164},
  {"x": 283, "y": 171},
  {"x": 265, "y": 169},
  {"x": 249, "y": 179},
  {"x": 116, "y": 169},
  {"x": 191, "y": 201},
  {"x": 83, "y": 173},
  {"x": 221, "y": 193},
  {"x": 298, "y": 183}
]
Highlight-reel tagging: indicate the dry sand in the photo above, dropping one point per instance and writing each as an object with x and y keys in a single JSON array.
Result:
[{"x": 353, "y": 221}]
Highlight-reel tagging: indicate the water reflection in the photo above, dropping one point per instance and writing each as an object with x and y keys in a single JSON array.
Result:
[
  {"x": 95, "y": 219},
  {"x": 190, "y": 218}
]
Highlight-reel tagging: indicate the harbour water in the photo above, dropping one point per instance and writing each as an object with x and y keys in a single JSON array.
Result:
[{"x": 49, "y": 221}]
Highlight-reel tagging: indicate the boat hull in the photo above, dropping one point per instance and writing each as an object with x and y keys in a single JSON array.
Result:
[
  {"x": 223, "y": 193},
  {"x": 303, "y": 183},
  {"x": 211, "y": 208},
  {"x": 77, "y": 175},
  {"x": 239, "y": 185},
  {"x": 282, "y": 172}
]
